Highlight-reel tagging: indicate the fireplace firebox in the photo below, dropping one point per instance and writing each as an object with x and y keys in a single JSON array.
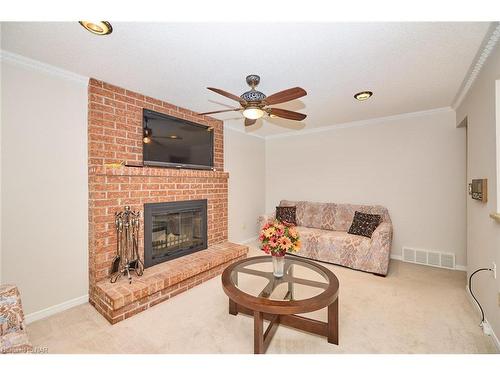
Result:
[{"x": 174, "y": 229}]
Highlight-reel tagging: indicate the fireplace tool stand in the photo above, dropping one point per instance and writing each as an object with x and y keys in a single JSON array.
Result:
[{"x": 127, "y": 258}]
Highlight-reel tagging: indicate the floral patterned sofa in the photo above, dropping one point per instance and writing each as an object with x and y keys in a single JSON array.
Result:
[
  {"x": 13, "y": 337},
  {"x": 323, "y": 232}
]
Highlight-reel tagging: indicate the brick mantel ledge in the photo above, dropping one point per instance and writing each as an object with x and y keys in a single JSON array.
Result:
[{"x": 154, "y": 171}]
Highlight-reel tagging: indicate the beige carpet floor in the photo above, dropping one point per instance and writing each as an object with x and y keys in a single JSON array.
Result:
[{"x": 415, "y": 309}]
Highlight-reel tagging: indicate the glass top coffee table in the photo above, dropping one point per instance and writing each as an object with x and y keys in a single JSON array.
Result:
[{"x": 305, "y": 287}]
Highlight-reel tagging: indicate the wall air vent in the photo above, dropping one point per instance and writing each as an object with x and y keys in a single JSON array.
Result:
[
  {"x": 408, "y": 255},
  {"x": 429, "y": 258},
  {"x": 434, "y": 259},
  {"x": 421, "y": 256}
]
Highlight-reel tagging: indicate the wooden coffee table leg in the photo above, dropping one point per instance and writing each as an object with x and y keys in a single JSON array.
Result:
[
  {"x": 258, "y": 332},
  {"x": 233, "y": 307},
  {"x": 333, "y": 322}
]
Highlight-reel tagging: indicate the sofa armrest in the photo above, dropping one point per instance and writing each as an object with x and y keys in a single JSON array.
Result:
[
  {"x": 380, "y": 250},
  {"x": 11, "y": 311},
  {"x": 384, "y": 229},
  {"x": 266, "y": 218}
]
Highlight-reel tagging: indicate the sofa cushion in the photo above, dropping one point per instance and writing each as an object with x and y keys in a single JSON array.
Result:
[
  {"x": 344, "y": 214},
  {"x": 328, "y": 216},
  {"x": 286, "y": 214},
  {"x": 332, "y": 216},
  {"x": 364, "y": 224},
  {"x": 313, "y": 214},
  {"x": 299, "y": 210},
  {"x": 334, "y": 246}
]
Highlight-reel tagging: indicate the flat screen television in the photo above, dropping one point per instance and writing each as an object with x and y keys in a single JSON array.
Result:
[{"x": 176, "y": 143}]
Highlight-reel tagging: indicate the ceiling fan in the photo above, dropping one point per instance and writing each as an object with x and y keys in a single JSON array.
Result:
[{"x": 254, "y": 104}]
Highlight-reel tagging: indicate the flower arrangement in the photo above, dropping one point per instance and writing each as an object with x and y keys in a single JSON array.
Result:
[{"x": 279, "y": 237}]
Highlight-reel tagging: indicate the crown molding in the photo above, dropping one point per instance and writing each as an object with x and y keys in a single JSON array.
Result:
[
  {"x": 353, "y": 124},
  {"x": 485, "y": 50},
  {"x": 14, "y": 58}
]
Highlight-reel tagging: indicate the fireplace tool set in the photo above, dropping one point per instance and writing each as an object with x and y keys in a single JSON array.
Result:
[{"x": 127, "y": 258}]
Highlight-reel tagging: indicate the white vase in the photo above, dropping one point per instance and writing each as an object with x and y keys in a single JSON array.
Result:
[{"x": 278, "y": 266}]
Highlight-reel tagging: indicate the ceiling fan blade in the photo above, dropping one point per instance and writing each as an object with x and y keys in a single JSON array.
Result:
[
  {"x": 249, "y": 122},
  {"x": 223, "y": 110},
  {"x": 226, "y": 94},
  {"x": 285, "y": 113},
  {"x": 286, "y": 95}
]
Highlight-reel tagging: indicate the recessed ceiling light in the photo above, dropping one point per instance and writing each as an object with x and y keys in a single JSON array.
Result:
[
  {"x": 97, "y": 27},
  {"x": 363, "y": 95}
]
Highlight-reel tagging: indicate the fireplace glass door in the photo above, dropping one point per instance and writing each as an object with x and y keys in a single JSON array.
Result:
[{"x": 174, "y": 229}]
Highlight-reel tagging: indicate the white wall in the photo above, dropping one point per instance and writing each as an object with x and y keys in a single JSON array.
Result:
[
  {"x": 244, "y": 159},
  {"x": 44, "y": 183},
  {"x": 412, "y": 164},
  {"x": 483, "y": 242}
]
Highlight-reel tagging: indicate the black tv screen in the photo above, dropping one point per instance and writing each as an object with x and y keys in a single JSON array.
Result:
[{"x": 174, "y": 142}]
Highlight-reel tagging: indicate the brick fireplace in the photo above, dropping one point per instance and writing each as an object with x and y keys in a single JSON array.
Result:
[
  {"x": 115, "y": 138},
  {"x": 174, "y": 229}
]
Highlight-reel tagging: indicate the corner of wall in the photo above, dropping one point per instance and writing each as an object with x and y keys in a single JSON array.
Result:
[
  {"x": 497, "y": 119},
  {"x": 245, "y": 160}
]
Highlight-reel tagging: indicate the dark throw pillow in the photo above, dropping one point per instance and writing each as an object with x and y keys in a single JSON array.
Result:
[
  {"x": 364, "y": 224},
  {"x": 286, "y": 214}
]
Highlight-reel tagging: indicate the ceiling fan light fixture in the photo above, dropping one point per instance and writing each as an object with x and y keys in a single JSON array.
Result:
[
  {"x": 254, "y": 104},
  {"x": 97, "y": 27},
  {"x": 253, "y": 113},
  {"x": 363, "y": 95}
]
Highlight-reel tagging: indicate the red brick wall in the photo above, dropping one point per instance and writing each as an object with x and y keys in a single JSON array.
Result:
[
  {"x": 114, "y": 136},
  {"x": 115, "y": 124}
]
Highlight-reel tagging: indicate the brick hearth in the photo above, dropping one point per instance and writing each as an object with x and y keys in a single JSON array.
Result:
[
  {"x": 114, "y": 137},
  {"x": 121, "y": 300}
]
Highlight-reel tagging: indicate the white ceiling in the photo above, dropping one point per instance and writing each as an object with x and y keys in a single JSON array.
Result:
[{"x": 409, "y": 66}]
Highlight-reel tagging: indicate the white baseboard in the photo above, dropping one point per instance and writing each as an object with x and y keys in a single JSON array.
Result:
[
  {"x": 248, "y": 240},
  {"x": 492, "y": 334},
  {"x": 458, "y": 267},
  {"x": 56, "y": 309},
  {"x": 396, "y": 257}
]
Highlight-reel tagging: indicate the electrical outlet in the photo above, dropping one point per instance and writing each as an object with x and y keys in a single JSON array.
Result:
[{"x": 494, "y": 269}]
